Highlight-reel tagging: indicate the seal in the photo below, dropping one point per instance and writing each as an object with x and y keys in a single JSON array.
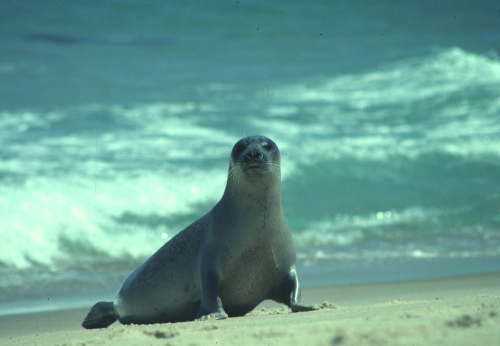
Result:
[{"x": 224, "y": 264}]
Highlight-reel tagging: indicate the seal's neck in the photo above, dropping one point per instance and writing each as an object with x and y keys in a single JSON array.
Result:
[{"x": 266, "y": 190}]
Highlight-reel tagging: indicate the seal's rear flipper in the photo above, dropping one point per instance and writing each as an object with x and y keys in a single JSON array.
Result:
[{"x": 101, "y": 315}]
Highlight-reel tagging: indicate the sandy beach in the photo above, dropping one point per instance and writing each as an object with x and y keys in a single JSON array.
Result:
[{"x": 456, "y": 311}]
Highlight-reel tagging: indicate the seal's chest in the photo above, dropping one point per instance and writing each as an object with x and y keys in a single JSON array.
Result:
[{"x": 251, "y": 277}]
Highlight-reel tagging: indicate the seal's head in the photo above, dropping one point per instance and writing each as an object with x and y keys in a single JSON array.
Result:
[{"x": 254, "y": 158}]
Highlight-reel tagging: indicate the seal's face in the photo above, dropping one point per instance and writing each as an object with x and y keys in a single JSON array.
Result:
[{"x": 255, "y": 155}]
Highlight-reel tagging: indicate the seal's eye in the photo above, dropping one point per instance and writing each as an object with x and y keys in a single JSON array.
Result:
[
  {"x": 267, "y": 146},
  {"x": 238, "y": 149}
]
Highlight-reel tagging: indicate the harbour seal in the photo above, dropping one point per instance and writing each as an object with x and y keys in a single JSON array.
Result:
[{"x": 224, "y": 264}]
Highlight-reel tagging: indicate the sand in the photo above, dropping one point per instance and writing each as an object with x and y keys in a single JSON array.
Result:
[{"x": 457, "y": 311}]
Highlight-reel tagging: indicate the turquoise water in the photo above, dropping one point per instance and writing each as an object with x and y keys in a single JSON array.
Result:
[{"x": 117, "y": 120}]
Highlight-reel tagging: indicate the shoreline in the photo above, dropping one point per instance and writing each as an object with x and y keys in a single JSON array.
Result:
[
  {"x": 46, "y": 291},
  {"x": 440, "y": 309}
]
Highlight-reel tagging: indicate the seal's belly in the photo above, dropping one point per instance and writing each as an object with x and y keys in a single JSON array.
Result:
[
  {"x": 165, "y": 302},
  {"x": 166, "y": 287},
  {"x": 166, "y": 293}
]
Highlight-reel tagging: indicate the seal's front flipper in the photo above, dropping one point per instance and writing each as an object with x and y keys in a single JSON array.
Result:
[
  {"x": 295, "y": 304},
  {"x": 213, "y": 316},
  {"x": 297, "y": 307},
  {"x": 215, "y": 312},
  {"x": 210, "y": 305},
  {"x": 101, "y": 315}
]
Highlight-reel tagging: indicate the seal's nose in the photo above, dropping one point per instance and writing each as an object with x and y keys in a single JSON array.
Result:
[{"x": 254, "y": 155}]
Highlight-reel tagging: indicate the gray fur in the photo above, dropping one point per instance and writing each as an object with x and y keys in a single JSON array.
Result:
[{"x": 224, "y": 264}]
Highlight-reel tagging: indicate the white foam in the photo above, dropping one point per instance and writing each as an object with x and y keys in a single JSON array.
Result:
[
  {"x": 375, "y": 116},
  {"x": 37, "y": 216},
  {"x": 343, "y": 230},
  {"x": 404, "y": 82},
  {"x": 71, "y": 190}
]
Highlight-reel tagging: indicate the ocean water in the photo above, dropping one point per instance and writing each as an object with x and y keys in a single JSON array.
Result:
[{"x": 117, "y": 120}]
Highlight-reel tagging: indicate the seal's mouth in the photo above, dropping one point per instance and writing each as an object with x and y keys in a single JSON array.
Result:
[{"x": 254, "y": 166}]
